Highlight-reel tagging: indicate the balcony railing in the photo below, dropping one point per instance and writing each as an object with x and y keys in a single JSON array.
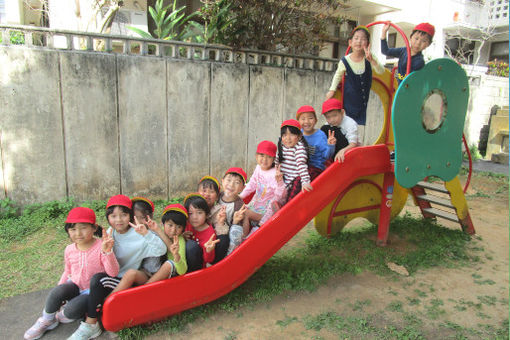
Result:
[{"x": 38, "y": 37}]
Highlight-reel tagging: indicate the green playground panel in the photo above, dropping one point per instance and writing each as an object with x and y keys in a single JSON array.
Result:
[{"x": 420, "y": 153}]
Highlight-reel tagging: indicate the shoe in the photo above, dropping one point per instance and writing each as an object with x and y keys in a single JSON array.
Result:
[
  {"x": 40, "y": 326},
  {"x": 86, "y": 331},
  {"x": 62, "y": 318}
]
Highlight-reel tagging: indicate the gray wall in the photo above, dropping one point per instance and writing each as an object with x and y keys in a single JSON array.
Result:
[{"x": 91, "y": 125}]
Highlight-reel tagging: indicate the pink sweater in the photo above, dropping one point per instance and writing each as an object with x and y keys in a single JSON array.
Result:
[{"x": 80, "y": 266}]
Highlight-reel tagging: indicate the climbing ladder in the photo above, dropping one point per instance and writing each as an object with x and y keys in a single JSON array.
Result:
[{"x": 445, "y": 200}]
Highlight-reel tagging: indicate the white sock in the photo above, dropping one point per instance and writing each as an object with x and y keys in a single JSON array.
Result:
[{"x": 48, "y": 316}]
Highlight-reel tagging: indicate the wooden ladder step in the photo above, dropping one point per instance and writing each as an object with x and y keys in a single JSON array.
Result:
[
  {"x": 437, "y": 200},
  {"x": 432, "y": 186},
  {"x": 443, "y": 214}
]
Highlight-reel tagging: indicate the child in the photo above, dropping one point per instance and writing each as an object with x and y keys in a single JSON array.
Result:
[
  {"x": 203, "y": 232},
  {"x": 233, "y": 183},
  {"x": 85, "y": 257},
  {"x": 292, "y": 158},
  {"x": 343, "y": 128},
  {"x": 133, "y": 243},
  {"x": 420, "y": 39},
  {"x": 143, "y": 210},
  {"x": 357, "y": 67},
  {"x": 174, "y": 220},
  {"x": 320, "y": 146},
  {"x": 209, "y": 188},
  {"x": 264, "y": 183}
]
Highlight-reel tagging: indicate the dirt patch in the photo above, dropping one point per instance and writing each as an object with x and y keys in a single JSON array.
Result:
[{"x": 435, "y": 303}]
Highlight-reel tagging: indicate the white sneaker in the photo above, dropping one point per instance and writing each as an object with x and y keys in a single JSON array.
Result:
[
  {"x": 39, "y": 327},
  {"x": 86, "y": 331}
]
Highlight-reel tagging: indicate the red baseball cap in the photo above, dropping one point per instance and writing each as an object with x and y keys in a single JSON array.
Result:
[
  {"x": 267, "y": 148},
  {"x": 81, "y": 215},
  {"x": 143, "y": 199},
  {"x": 176, "y": 207},
  {"x": 122, "y": 200},
  {"x": 291, "y": 122},
  {"x": 303, "y": 109},
  {"x": 238, "y": 171},
  {"x": 331, "y": 104},
  {"x": 425, "y": 27}
]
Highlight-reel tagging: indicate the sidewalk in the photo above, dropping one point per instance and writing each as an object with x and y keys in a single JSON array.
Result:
[
  {"x": 18, "y": 313},
  {"x": 488, "y": 166}
]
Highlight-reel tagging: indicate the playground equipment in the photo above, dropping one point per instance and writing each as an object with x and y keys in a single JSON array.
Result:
[{"x": 367, "y": 184}]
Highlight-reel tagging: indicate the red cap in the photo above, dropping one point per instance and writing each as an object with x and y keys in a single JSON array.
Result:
[
  {"x": 303, "y": 109},
  {"x": 122, "y": 200},
  {"x": 143, "y": 199},
  {"x": 425, "y": 27},
  {"x": 81, "y": 215},
  {"x": 331, "y": 104},
  {"x": 267, "y": 148},
  {"x": 291, "y": 122},
  {"x": 238, "y": 171},
  {"x": 176, "y": 207}
]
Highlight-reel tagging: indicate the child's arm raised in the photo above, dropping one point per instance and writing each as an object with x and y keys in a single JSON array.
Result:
[
  {"x": 153, "y": 226},
  {"x": 108, "y": 259}
]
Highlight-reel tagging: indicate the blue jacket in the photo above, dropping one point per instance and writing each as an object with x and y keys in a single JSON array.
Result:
[{"x": 417, "y": 61}]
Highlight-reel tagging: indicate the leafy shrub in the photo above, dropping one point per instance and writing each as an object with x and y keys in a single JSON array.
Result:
[{"x": 497, "y": 68}]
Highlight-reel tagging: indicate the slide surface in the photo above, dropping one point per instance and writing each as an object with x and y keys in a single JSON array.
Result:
[{"x": 164, "y": 298}]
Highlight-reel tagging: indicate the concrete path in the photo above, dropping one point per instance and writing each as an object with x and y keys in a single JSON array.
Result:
[{"x": 18, "y": 313}]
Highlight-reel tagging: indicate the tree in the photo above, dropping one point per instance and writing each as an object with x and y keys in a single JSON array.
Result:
[{"x": 292, "y": 26}]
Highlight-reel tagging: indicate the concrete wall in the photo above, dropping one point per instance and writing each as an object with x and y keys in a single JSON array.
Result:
[
  {"x": 91, "y": 125},
  {"x": 485, "y": 92}
]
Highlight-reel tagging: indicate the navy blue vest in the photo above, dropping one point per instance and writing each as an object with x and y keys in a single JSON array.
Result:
[{"x": 356, "y": 92}]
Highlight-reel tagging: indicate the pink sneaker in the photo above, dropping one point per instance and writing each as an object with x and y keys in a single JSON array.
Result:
[
  {"x": 38, "y": 329},
  {"x": 62, "y": 318}
]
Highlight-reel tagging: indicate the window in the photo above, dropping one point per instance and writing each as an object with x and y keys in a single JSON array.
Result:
[
  {"x": 462, "y": 50},
  {"x": 499, "y": 50}
]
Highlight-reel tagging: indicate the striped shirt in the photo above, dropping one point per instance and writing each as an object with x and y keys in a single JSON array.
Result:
[{"x": 294, "y": 164}]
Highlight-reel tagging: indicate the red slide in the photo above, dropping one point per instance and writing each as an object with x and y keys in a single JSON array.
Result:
[{"x": 164, "y": 298}]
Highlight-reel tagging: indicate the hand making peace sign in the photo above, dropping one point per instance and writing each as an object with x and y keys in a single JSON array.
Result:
[
  {"x": 140, "y": 228},
  {"x": 209, "y": 245},
  {"x": 279, "y": 175},
  {"x": 107, "y": 239},
  {"x": 331, "y": 137}
]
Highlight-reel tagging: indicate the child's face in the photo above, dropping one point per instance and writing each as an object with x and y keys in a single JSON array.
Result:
[
  {"x": 419, "y": 41},
  {"x": 264, "y": 161},
  {"x": 289, "y": 139},
  {"x": 232, "y": 184},
  {"x": 210, "y": 195},
  {"x": 197, "y": 217},
  {"x": 334, "y": 117},
  {"x": 172, "y": 229},
  {"x": 119, "y": 220},
  {"x": 140, "y": 217},
  {"x": 307, "y": 121},
  {"x": 82, "y": 233},
  {"x": 359, "y": 41}
]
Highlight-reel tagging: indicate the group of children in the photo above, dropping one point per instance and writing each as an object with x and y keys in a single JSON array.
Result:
[{"x": 214, "y": 221}]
